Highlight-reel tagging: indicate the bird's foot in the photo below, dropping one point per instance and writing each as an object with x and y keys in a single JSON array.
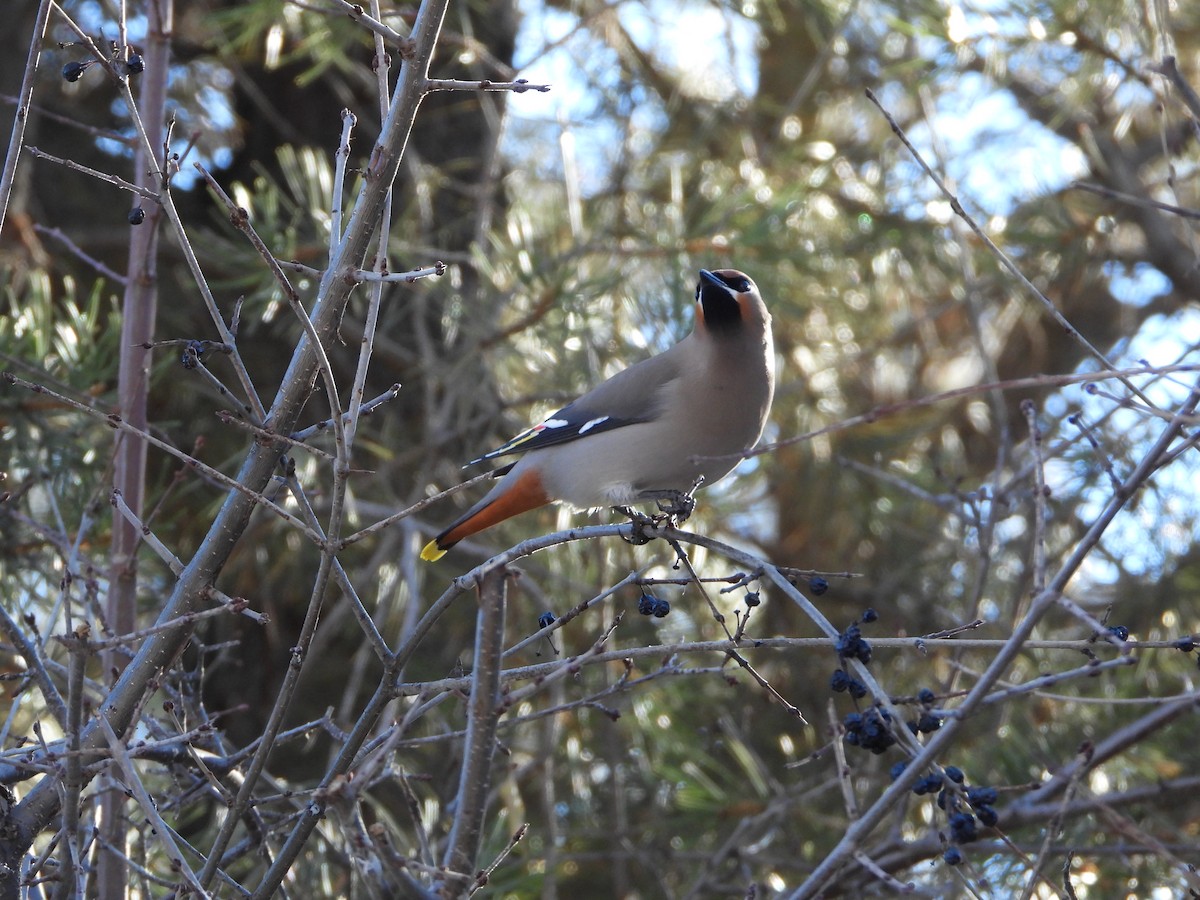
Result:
[
  {"x": 677, "y": 506},
  {"x": 641, "y": 522}
]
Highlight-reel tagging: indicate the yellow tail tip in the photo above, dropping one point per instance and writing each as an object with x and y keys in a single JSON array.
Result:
[{"x": 432, "y": 552}]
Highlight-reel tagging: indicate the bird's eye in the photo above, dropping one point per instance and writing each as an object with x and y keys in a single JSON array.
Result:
[{"x": 741, "y": 285}]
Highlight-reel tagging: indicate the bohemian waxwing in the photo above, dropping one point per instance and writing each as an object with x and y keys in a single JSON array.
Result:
[{"x": 651, "y": 431}]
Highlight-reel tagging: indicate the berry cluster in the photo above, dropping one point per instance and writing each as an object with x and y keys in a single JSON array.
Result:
[
  {"x": 851, "y": 644},
  {"x": 927, "y": 722},
  {"x": 962, "y": 823},
  {"x": 840, "y": 682},
  {"x": 966, "y": 808},
  {"x": 131, "y": 65},
  {"x": 871, "y": 730},
  {"x": 649, "y": 605}
]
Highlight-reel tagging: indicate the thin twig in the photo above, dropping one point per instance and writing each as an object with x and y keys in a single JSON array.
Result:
[
  {"x": 115, "y": 421},
  {"x": 365, "y": 410},
  {"x": 854, "y": 835},
  {"x": 161, "y": 832},
  {"x": 1039, "y": 495},
  {"x": 356, "y": 12},
  {"x": 349, "y": 120},
  {"x": 34, "y": 664},
  {"x": 1143, "y": 202},
  {"x": 115, "y": 180},
  {"x": 891, "y": 409},
  {"x": 437, "y": 270},
  {"x": 59, "y": 235},
  {"x": 21, "y": 118},
  {"x": 1187, "y": 93},
  {"x": 1000, "y": 255},
  {"x": 365, "y": 622},
  {"x": 519, "y": 86},
  {"x": 240, "y": 219}
]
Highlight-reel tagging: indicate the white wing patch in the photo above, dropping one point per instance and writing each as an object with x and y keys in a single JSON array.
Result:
[{"x": 555, "y": 430}]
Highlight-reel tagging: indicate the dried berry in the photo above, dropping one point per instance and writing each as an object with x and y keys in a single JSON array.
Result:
[{"x": 73, "y": 71}]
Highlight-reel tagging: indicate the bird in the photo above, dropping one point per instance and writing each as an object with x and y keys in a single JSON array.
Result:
[{"x": 651, "y": 432}]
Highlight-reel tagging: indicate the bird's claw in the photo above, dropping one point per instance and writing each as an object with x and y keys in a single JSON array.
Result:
[
  {"x": 640, "y": 522},
  {"x": 674, "y": 508},
  {"x": 677, "y": 506}
]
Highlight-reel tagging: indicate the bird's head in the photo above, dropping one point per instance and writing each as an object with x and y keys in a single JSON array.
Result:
[{"x": 728, "y": 302}]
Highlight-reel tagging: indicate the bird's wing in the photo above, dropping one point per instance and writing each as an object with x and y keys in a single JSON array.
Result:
[{"x": 632, "y": 395}]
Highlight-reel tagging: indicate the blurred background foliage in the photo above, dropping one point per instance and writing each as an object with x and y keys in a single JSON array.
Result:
[{"x": 678, "y": 135}]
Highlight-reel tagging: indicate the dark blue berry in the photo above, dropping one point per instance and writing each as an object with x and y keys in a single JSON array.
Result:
[
  {"x": 1187, "y": 644},
  {"x": 928, "y": 784},
  {"x": 962, "y": 828},
  {"x": 953, "y": 857},
  {"x": 857, "y": 689},
  {"x": 193, "y": 352},
  {"x": 955, "y": 774},
  {"x": 818, "y": 585},
  {"x": 869, "y": 615},
  {"x": 752, "y": 599},
  {"x": 137, "y": 216},
  {"x": 928, "y": 723},
  {"x": 982, "y": 796},
  {"x": 926, "y": 696},
  {"x": 987, "y": 815},
  {"x": 846, "y": 639},
  {"x": 135, "y": 65},
  {"x": 73, "y": 71},
  {"x": 898, "y": 769},
  {"x": 850, "y": 645},
  {"x": 662, "y": 609},
  {"x": 1120, "y": 632},
  {"x": 870, "y": 730},
  {"x": 647, "y": 604},
  {"x": 839, "y": 681},
  {"x": 545, "y": 620}
]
